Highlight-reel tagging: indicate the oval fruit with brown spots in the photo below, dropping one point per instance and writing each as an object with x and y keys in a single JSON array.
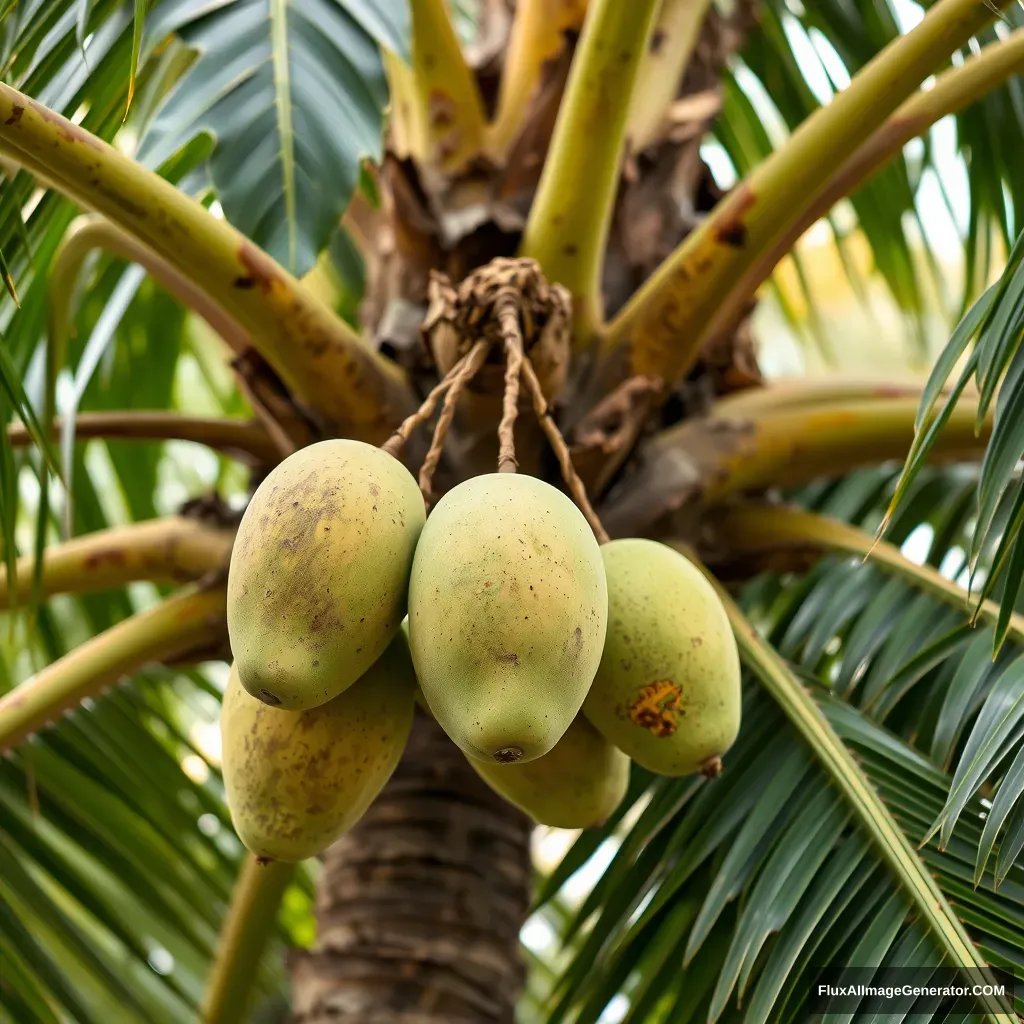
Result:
[
  {"x": 507, "y": 615},
  {"x": 319, "y": 571},
  {"x": 578, "y": 783},
  {"x": 297, "y": 780},
  {"x": 668, "y": 689}
]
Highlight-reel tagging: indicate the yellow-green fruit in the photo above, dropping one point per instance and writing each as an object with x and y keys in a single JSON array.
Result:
[
  {"x": 668, "y": 689},
  {"x": 507, "y": 615},
  {"x": 319, "y": 572},
  {"x": 297, "y": 780},
  {"x": 576, "y": 784}
]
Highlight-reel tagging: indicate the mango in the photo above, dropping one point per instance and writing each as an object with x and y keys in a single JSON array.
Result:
[
  {"x": 297, "y": 780},
  {"x": 507, "y": 615},
  {"x": 667, "y": 692},
  {"x": 578, "y": 783},
  {"x": 319, "y": 572}
]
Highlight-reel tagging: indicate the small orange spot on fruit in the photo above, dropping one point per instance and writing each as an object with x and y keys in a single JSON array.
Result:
[{"x": 656, "y": 708}]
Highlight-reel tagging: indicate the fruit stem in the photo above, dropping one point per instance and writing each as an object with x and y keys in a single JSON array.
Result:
[
  {"x": 394, "y": 444},
  {"x": 473, "y": 361},
  {"x": 163, "y": 550},
  {"x": 248, "y": 925},
  {"x": 508, "y": 318},
  {"x": 188, "y": 621},
  {"x": 561, "y": 450}
]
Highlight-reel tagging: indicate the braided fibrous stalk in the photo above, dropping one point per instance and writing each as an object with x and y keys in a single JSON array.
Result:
[
  {"x": 561, "y": 450},
  {"x": 473, "y": 361},
  {"x": 396, "y": 442},
  {"x": 513, "y": 339}
]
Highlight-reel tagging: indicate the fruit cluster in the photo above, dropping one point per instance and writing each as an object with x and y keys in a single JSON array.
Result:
[{"x": 550, "y": 660}]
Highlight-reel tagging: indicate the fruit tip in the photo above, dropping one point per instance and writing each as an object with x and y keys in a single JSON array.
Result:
[{"x": 508, "y": 755}]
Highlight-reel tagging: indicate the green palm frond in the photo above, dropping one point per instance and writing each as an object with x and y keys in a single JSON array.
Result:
[
  {"x": 293, "y": 96},
  {"x": 731, "y": 897},
  {"x": 992, "y": 330},
  {"x": 129, "y": 859}
]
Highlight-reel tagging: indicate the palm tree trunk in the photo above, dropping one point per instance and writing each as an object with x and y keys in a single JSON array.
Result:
[{"x": 419, "y": 907}]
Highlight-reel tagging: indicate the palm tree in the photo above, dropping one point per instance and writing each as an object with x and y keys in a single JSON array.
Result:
[{"x": 231, "y": 229}]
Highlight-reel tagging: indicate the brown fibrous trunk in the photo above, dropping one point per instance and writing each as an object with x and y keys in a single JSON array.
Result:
[{"x": 420, "y": 905}]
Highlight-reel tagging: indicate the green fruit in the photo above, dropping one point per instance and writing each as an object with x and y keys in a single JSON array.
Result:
[
  {"x": 297, "y": 780},
  {"x": 578, "y": 783},
  {"x": 507, "y": 615},
  {"x": 668, "y": 689},
  {"x": 319, "y": 571}
]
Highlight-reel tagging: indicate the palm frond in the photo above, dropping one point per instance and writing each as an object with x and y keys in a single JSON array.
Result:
[
  {"x": 293, "y": 97},
  {"x": 732, "y": 897},
  {"x": 993, "y": 328}
]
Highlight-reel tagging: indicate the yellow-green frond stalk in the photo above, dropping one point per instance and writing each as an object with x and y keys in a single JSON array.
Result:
[
  {"x": 316, "y": 354},
  {"x": 664, "y": 322},
  {"x": 406, "y": 114},
  {"x": 164, "y": 550},
  {"x": 451, "y": 112},
  {"x": 759, "y": 528},
  {"x": 190, "y": 620},
  {"x": 568, "y": 224},
  {"x": 538, "y": 36},
  {"x": 248, "y": 927},
  {"x": 668, "y": 54}
]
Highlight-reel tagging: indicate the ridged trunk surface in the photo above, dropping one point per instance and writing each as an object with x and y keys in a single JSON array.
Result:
[{"x": 420, "y": 905}]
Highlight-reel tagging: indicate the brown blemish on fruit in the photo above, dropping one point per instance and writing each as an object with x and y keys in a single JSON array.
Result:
[
  {"x": 16, "y": 112},
  {"x": 656, "y": 708}
]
